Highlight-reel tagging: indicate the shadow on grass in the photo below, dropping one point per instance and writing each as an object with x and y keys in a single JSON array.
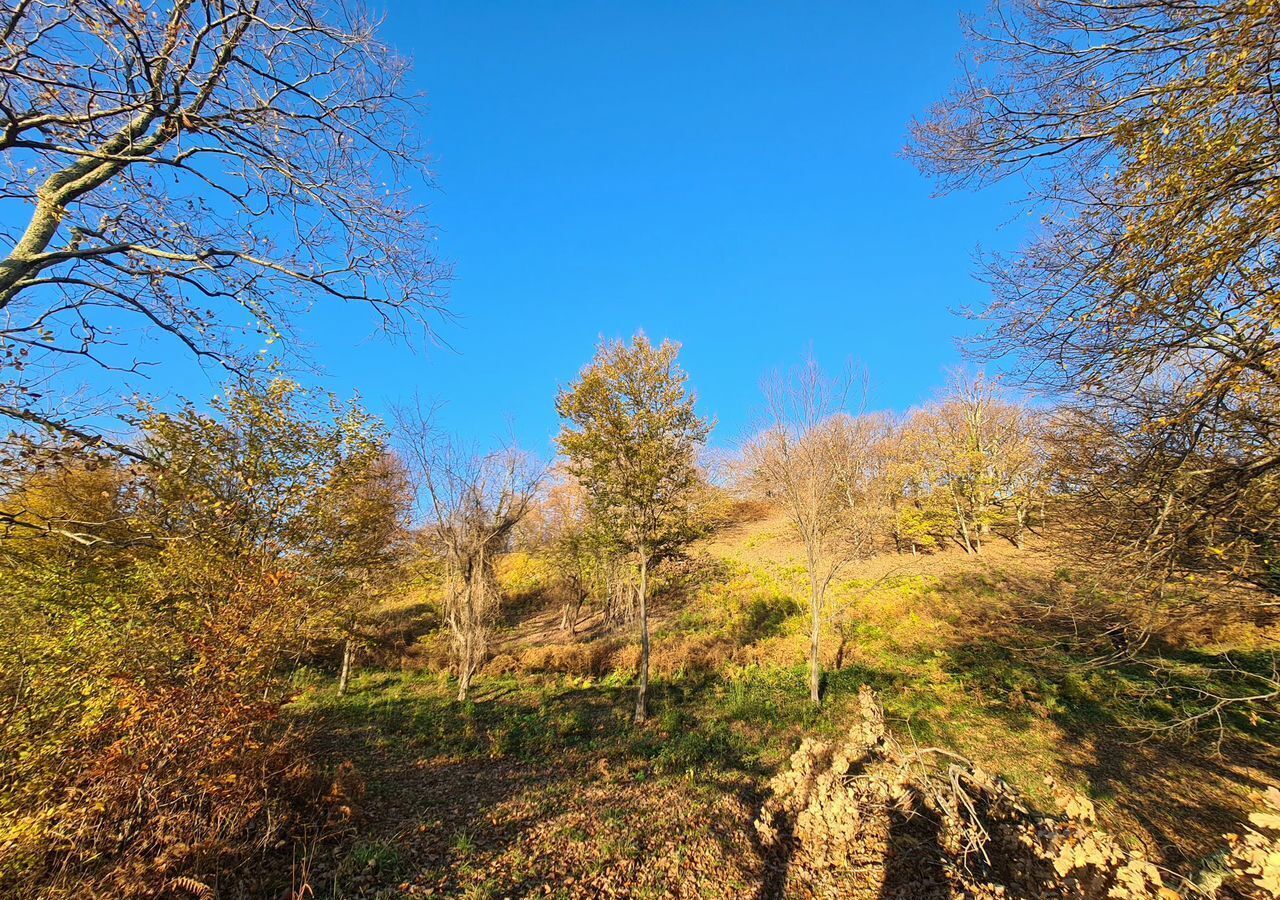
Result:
[
  {"x": 445, "y": 767},
  {"x": 1137, "y": 731},
  {"x": 440, "y": 768}
]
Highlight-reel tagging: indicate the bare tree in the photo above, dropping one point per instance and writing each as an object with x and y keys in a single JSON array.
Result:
[
  {"x": 474, "y": 502},
  {"x": 862, "y": 446},
  {"x": 1146, "y": 135},
  {"x": 183, "y": 166},
  {"x": 802, "y": 460}
]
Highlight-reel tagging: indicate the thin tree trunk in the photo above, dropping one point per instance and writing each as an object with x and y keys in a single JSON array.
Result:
[
  {"x": 815, "y": 634},
  {"x": 967, "y": 543},
  {"x": 464, "y": 683},
  {"x": 642, "y": 694},
  {"x": 466, "y": 666},
  {"x": 1020, "y": 527},
  {"x": 466, "y": 663},
  {"x": 610, "y": 613},
  {"x": 577, "y": 612},
  {"x": 345, "y": 677}
]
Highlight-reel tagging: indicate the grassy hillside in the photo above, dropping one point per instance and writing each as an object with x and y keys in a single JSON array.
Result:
[{"x": 542, "y": 780}]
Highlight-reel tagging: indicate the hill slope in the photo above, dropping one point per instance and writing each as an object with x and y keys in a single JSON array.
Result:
[{"x": 541, "y": 785}]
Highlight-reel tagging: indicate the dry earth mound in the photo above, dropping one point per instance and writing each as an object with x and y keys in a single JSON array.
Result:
[{"x": 870, "y": 818}]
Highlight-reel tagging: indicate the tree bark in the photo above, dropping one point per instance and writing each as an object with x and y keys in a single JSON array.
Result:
[
  {"x": 86, "y": 174},
  {"x": 466, "y": 665},
  {"x": 642, "y": 694},
  {"x": 1020, "y": 527},
  {"x": 967, "y": 541},
  {"x": 815, "y": 634},
  {"x": 464, "y": 675},
  {"x": 345, "y": 677},
  {"x": 577, "y": 611}
]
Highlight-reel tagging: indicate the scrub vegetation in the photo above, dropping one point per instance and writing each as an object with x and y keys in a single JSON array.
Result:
[{"x": 1018, "y": 641}]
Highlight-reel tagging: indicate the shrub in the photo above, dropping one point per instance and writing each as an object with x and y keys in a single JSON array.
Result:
[
  {"x": 586, "y": 659},
  {"x": 691, "y": 654},
  {"x": 502, "y": 664},
  {"x": 144, "y": 682}
]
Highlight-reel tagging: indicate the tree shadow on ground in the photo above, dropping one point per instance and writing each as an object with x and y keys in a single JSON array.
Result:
[
  {"x": 913, "y": 859},
  {"x": 1123, "y": 720},
  {"x": 454, "y": 787},
  {"x": 458, "y": 787}
]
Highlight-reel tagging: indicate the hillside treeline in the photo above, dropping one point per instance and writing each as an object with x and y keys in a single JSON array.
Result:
[
  {"x": 202, "y": 173},
  {"x": 162, "y": 601}
]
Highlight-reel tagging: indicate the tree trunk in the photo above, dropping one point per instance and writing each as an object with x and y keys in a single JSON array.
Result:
[
  {"x": 577, "y": 612},
  {"x": 466, "y": 666},
  {"x": 345, "y": 677},
  {"x": 573, "y": 608},
  {"x": 642, "y": 694},
  {"x": 609, "y": 618},
  {"x": 815, "y": 634},
  {"x": 966, "y": 541},
  {"x": 464, "y": 683}
]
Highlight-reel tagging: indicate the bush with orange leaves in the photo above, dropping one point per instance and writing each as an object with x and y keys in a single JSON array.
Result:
[
  {"x": 157, "y": 610},
  {"x": 591, "y": 658}
]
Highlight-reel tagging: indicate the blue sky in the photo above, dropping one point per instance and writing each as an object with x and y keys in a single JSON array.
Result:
[{"x": 723, "y": 174}]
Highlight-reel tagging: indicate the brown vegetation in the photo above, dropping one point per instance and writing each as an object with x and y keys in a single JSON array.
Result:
[{"x": 237, "y": 664}]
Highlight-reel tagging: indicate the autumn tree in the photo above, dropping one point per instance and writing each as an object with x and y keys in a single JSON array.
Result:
[
  {"x": 1024, "y": 469},
  {"x": 958, "y": 439},
  {"x": 282, "y": 485},
  {"x": 581, "y": 549},
  {"x": 862, "y": 445},
  {"x": 474, "y": 501},
  {"x": 362, "y": 536},
  {"x": 983, "y": 458},
  {"x": 150, "y": 651},
  {"x": 1148, "y": 293},
  {"x": 182, "y": 167},
  {"x": 817, "y": 463},
  {"x": 917, "y": 517},
  {"x": 630, "y": 436}
]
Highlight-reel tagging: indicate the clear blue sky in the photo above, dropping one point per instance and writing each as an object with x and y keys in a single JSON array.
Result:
[{"x": 725, "y": 174}]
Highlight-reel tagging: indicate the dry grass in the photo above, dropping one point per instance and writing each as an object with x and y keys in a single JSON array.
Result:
[{"x": 985, "y": 656}]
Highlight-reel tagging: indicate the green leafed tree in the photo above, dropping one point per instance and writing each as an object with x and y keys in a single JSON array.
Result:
[{"x": 631, "y": 436}]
